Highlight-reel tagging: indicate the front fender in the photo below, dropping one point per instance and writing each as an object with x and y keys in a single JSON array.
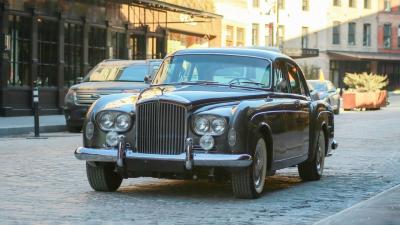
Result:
[{"x": 117, "y": 102}]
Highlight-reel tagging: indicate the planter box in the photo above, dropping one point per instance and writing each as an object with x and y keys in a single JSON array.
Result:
[{"x": 367, "y": 100}]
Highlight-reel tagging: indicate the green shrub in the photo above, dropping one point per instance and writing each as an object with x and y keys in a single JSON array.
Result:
[{"x": 365, "y": 82}]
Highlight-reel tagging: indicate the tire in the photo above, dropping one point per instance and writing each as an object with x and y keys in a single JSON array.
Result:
[
  {"x": 337, "y": 111},
  {"x": 103, "y": 177},
  {"x": 73, "y": 129},
  {"x": 311, "y": 170},
  {"x": 249, "y": 183}
]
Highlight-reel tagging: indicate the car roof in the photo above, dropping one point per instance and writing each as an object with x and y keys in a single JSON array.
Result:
[
  {"x": 270, "y": 54},
  {"x": 122, "y": 62}
]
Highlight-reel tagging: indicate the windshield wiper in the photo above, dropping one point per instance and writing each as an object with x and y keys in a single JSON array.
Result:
[{"x": 252, "y": 82}]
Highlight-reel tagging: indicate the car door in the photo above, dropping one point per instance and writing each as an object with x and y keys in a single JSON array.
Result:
[
  {"x": 298, "y": 113},
  {"x": 277, "y": 107}
]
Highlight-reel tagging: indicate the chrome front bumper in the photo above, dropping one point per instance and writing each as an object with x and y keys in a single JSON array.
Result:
[{"x": 199, "y": 159}]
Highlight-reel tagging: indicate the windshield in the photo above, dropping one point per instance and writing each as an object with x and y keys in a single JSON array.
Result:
[
  {"x": 318, "y": 86},
  {"x": 223, "y": 69},
  {"x": 115, "y": 73}
]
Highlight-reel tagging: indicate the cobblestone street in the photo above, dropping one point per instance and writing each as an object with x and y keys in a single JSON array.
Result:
[{"x": 42, "y": 183}]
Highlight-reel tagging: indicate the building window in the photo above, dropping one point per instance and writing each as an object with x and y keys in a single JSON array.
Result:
[
  {"x": 387, "y": 35},
  {"x": 306, "y": 5},
  {"x": 367, "y": 34},
  {"x": 281, "y": 4},
  {"x": 269, "y": 34},
  {"x": 20, "y": 50},
  {"x": 72, "y": 53},
  {"x": 229, "y": 36},
  {"x": 367, "y": 4},
  {"x": 240, "y": 36},
  {"x": 387, "y": 7},
  {"x": 281, "y": 35},
  {"x": 336, "y": 2},
  {"x": 352, "y": 34},
  {"x": 97, "y": 45},
  {"x": 118, "y": 44},
  {"x": 336, "y": 33},
  {"x": 254, "y": 40},
  {"x": 304, "y": 37},
  {"x": 352, "y": 3},
  {"x": 398, "y": 36},
  {"x": 47, "y": 53},
  {"x": 256, "y": 3}
]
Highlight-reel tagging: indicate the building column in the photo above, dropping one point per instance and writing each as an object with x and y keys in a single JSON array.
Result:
[
  {"x": 61, "y": 61},
  {"x": 126, "y": 49},
  {"x": 4, "y": 55},
  {"x": 109, "y": 50},
  {"x": 85, "y": 53}
]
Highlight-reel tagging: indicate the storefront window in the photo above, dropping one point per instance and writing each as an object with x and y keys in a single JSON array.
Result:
[
  {"x": 177, "y": 41},
  {"x": 47, "y": 52},
  {"x": 72, "y": 53},
  {"x": 97, "y": 45},
  {"x": 20, "y": 52}
]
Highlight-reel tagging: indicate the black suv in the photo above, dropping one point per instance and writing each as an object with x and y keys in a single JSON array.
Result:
[{"x": 108, "y": 77}]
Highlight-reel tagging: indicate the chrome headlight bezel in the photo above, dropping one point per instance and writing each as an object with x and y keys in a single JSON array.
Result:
[
  {"x": 209, "y": 122},
  {"x": 110, "y": 117}
]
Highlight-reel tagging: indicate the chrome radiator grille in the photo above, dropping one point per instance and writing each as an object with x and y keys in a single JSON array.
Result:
[
  {"x": 161, "y": 128},
  {"x": 88, "y": 97}
]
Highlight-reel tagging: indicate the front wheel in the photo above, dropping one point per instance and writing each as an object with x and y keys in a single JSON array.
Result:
[
  {"x": 102, "y": 177},
  {"x": 249, "y": 183},
  {"x": 312, "y": 169}
]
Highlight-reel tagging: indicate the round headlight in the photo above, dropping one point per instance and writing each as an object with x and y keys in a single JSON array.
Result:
[
  {"x": 218, "y": 126},
  {"x": 89, "y": 130},
  {"x": 207, "y": 142},
  {"x": 112, "y": 139},
  {"x": 201, "y": 125},
  {"x": 107, "y": 120},
  {"x": 123, "y": 121}
]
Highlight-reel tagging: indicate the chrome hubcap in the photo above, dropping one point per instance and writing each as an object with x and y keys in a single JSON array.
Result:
[
  {"x": 320, "y": 157},
  {"x": 259, "y": 166}
]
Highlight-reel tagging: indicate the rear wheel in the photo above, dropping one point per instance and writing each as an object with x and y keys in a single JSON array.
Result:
[
  {"x": 249, "y": 182},
  {"x": 312, "y": 169},
  {"x": 102, "y": 177}
]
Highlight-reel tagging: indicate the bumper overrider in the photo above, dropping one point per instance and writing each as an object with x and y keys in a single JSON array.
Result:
[{"x": 188, "y": 158}]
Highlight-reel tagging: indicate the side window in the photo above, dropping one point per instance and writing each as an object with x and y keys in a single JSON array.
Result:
[
  {"x": 280, "y": 78},
  {"x": 296, "y": 85}
]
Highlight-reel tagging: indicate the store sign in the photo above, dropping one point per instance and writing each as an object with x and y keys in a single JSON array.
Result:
[
  {"x": 301, "y": 52},
  {"x": 187, "y": 19}
]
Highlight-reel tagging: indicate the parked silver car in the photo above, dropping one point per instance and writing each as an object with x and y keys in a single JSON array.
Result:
[{"x": 326, "y": 91}]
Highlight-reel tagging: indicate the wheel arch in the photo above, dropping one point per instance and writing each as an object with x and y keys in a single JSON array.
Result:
[{"x": 265, "y": 131}]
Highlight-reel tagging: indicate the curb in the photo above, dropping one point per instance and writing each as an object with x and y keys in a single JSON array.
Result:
[
  {"x": 379, "y": 215},
  {"x": 28, "y": 130}
]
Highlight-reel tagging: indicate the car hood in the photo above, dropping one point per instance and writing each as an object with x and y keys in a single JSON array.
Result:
[
  {"x": 114, "y": 85},
  {"x": 199, "y": 94}
]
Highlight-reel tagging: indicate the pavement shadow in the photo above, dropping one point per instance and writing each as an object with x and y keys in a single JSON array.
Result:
[{"x": 201, "y": 189}]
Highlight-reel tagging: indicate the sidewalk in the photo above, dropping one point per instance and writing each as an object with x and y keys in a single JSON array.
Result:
[
  {"x": 382, "y": 209},
  {"x": 25, "y": 124}
]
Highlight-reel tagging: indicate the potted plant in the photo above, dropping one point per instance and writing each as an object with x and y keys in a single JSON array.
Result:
[{"x": 365, "y": 91}]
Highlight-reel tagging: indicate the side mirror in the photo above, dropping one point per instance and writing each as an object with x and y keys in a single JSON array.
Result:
[
  {"x": 79, "y": 80},
  {"x": 147, "y": 79}
]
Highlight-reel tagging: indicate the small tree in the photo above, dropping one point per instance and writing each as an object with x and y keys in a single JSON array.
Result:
[
  {"x": 311, "y": 72},
  {"x": 365, "y": 82}
]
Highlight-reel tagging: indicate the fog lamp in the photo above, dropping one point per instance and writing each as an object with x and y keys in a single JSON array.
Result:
[
  {"x": 89, "y": 130},
  {"x": 232, "y": 137},
  {"x": 207, "y": 142},
  {"x": 112, "y": 139}
]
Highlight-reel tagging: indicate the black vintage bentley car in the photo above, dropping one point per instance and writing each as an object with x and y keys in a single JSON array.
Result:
[{"x": 228, "y": 114}]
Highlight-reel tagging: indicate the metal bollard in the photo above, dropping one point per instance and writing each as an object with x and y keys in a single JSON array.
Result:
[{"x": 35, "y": 95}]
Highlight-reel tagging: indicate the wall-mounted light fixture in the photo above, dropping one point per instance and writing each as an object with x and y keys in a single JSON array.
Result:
[{"x": 7, "y": 42}]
